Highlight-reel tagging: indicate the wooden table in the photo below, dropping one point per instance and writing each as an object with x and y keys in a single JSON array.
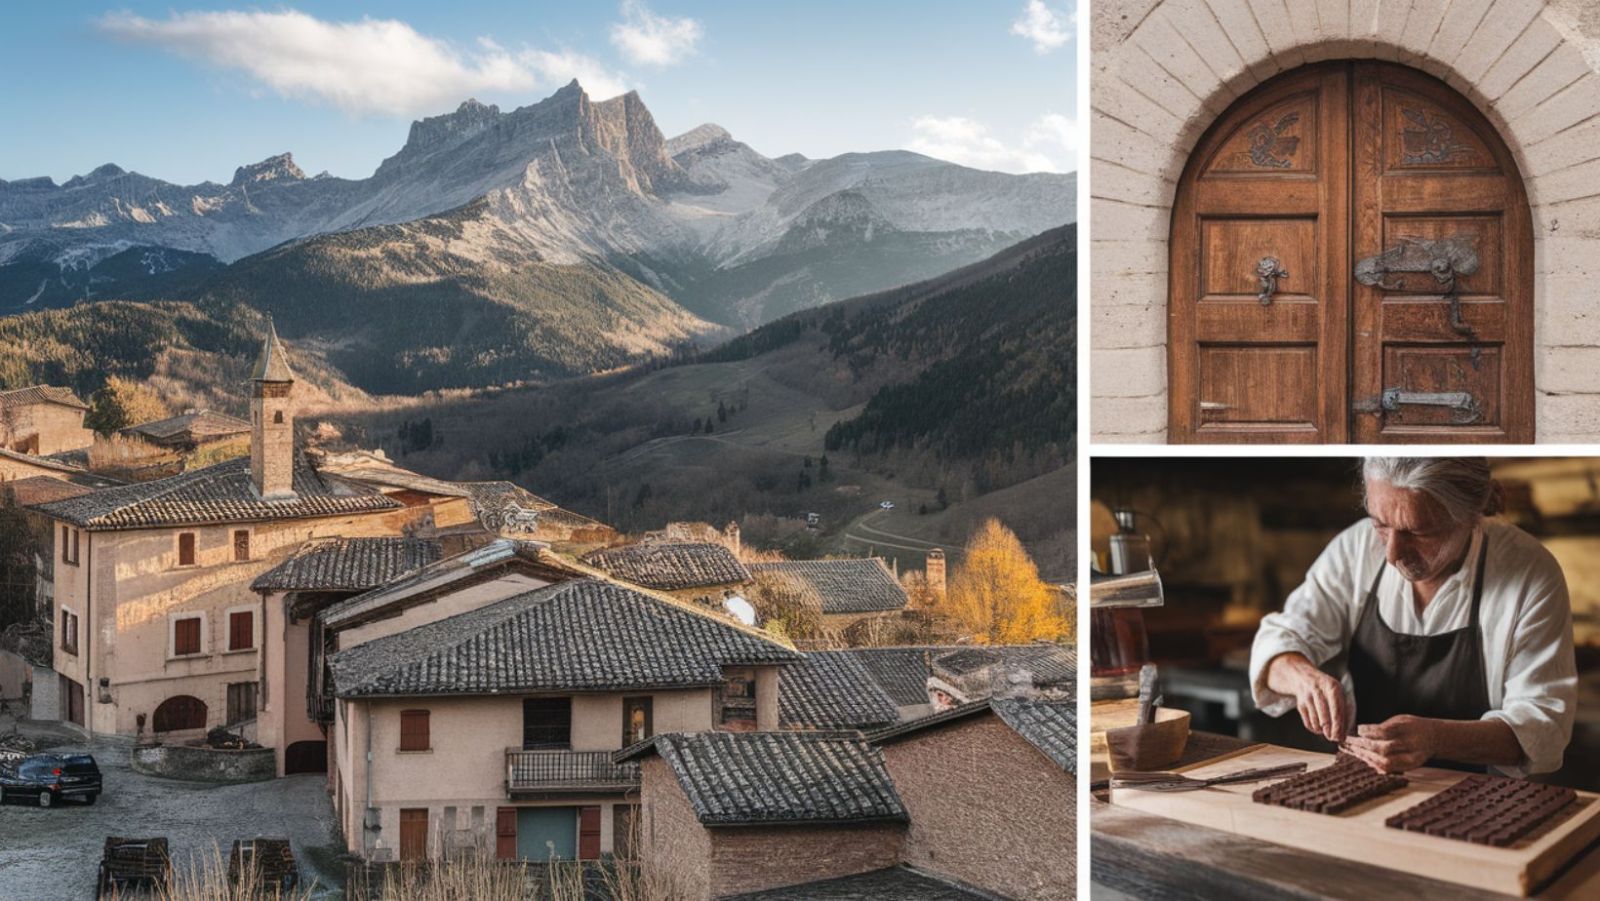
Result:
[{"x": 1156, "y": 858}]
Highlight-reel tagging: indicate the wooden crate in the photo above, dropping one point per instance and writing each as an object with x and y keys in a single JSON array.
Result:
[{"x": 1360, "y": 835}]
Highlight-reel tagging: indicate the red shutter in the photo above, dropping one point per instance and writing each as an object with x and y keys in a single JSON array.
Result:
[
  {"x": 588, "y": 833},
  {"x": 186, "y": 636},
  {"x": 241, "y": 626},
  {"x": 186, "y": 549},
  {"x": 505, "y": 833},
  {"x": 414, "y": 730}
]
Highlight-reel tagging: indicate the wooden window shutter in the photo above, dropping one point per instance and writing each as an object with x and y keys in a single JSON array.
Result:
[
  {"x": 186, "y": 636},
  {"x": 186, "y": 549},
  {"x": 505, "y": 833},
  {"x": 588, "y": 833},
  {"x": 241, "y": 630},
  {"x": 413, "y": 833},
  {"x": 66, "y": 535},
  {"x": 414, "y": 730},
  {"x": 74, "y": 547},
  {"x": 241, "y": 544}
]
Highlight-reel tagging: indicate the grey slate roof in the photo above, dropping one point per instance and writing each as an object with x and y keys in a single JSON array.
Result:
[
  {"x": 496, "y": 502},
  {"x": 762, "y": 778},
  {"x": 434, "y": 576},
  {"x": 671, "y": 566},
  {"x": 833, "y": 690},
  {"x": 1050, "y": 664},
  {"x": 902, "y": 673},
  {"x": 1050, "y": 726},
  {"x": 892, "y": 884},
  {"x": 273, "y": 364},
  {"x": 41, "y": 394},
  {"x": 862, "y": 585},
  {"x": 348, "y": 564},
  {"x": 195, "y": 425},
  {"x": 581, "y": 635},
  {"x": 215, "y": 494}
]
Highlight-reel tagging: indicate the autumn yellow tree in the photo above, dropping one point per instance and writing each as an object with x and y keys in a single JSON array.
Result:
[
  {"x": 121, "y": 403},
  {"x": 996, "y": 594}
]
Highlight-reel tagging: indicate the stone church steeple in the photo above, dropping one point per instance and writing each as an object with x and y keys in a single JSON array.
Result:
[{"x": 272, "y": 421}]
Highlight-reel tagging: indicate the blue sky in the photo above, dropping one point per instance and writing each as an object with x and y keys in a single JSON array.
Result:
[{"x": 186, "y": 92}]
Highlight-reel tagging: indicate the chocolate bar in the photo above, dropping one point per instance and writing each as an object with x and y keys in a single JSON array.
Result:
[
  {"x": 1486, "y": 810},
  {"x": 1332, "y": 789}
]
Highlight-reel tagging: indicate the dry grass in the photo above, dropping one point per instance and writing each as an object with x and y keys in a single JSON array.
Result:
[{"x": 206, "y": 878}]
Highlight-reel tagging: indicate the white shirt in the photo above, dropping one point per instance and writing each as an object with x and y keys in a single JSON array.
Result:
[{"x": 1525, "y": 622}]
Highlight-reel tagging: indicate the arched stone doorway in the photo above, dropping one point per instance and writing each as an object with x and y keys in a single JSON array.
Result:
[
  {"x": 1163, "y": 71},
  {"x": 1351, "y": 260}
]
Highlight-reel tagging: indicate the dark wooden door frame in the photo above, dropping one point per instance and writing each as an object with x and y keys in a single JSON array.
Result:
[{"x": 1345, "y": 366}]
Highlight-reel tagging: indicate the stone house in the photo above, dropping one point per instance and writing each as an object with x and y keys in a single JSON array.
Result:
[
  {"x": 1437, "y": 290},
  {"x": 700, "y": 572},
  {"x": 156, "y": 628},
  {"x": 482, "y": 712},
  {"x": 43, "y": 419},
  {"x": 848, "y": 591},
  {"x": 991, "y": 793},
  {"x": 734, "y": 813}
]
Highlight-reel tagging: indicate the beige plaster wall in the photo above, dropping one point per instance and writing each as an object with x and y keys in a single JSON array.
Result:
[
  {"x": 444, "y": 607},
  {"x": 1163, "y": 70},
  {"x": 43, "y": 428}
]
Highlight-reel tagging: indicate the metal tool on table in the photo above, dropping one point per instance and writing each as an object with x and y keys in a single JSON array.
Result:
[{"x": 1177, "y": 782}]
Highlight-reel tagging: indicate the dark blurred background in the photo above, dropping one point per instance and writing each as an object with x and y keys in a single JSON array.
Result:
[{"x": 1233, "y": 536}]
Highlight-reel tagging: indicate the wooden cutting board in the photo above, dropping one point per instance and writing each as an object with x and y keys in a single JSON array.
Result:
[{"x": 1360, "y": 835}]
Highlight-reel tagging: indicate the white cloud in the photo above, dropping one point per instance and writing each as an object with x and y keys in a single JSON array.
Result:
[
  {"x": 1045, "y": 27},
  {"x": 1046, "y": 145},
  {"x": 648, "y": 39},
  {"x": 381, "y": 66}
]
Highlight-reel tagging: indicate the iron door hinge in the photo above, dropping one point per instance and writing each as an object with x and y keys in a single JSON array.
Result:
[{"x": 1464, "y": 408}]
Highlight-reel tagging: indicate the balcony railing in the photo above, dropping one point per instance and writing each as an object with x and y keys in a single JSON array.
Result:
[{"x": 557, "y": 771}]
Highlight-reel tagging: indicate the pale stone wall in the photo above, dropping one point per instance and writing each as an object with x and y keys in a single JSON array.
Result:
[
  {"x": 43, "y": 429},
  {"x": 1163, "y": 70}
]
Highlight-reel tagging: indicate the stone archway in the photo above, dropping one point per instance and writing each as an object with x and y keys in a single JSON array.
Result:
[{"x": 1164, "y": 70}]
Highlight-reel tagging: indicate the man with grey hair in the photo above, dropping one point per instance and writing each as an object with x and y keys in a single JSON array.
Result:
[{"x": 1429, "y": 631}]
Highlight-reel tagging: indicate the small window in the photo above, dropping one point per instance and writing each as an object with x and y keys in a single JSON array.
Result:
[
  {"x": 186, "y": 636},
  {"x": 414, "y": 730},
  {"x": 241, "y": 702},
  {"x": 738, "y": 699},
  {"x": 185, "y": 548},
  {"x": 69, "y": 631},
  {"x": 241, "y": 545},
  {"x": 546, "y": 722},
  {"x": 241, "y": 630},
  {"x": 278, "y": 417},
  {"x": 69, "y": 545},
  {"x": 637, "y": 722}
]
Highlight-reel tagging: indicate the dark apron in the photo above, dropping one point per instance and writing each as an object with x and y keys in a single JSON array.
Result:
[{"x": 1437, "y": 676}]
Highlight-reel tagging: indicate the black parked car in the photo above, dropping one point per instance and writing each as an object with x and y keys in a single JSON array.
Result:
[{"x": 45, "y": 779}]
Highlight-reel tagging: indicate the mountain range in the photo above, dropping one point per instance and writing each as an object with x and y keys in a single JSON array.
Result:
[{"x": 560, "y": 238}]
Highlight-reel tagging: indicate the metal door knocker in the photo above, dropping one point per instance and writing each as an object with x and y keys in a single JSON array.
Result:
[{"x": 1268, "y": 271}]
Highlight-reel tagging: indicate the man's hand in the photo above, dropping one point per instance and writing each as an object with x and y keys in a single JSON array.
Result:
[
  {"x": 1319, "y": 696},
  {"x": 1397, "y": 744}
]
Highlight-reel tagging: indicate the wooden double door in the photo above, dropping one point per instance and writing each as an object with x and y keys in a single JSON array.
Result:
[{"x": 1351, "y": 263}]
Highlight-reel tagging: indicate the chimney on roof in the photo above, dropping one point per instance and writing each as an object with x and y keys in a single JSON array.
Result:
[
  {"x": 935, "y": 571},
  {"x": 272, "y": 421}
]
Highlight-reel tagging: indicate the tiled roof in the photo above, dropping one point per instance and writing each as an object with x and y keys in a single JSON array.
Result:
[
  {"x": 902, "y": 673},
  {"x": 36, "y": 490},
  {"x": 833, "y": 690},
  {"x": 348, "y": 564},
  {"x": 273, "y": 364},
  {"x": 1050, "y": 664},
  {"x": 52, "y": 462},
  {"x": 215, "y": 494},
  {"x": 671, "y": 566},
  {"x": 200, "y": 425},
  {"x": 1050, "y": 726},
  {"x": 862, "y": 585},
  {"x": 892, "y": 884},
  {"x": 431, "y": 577},
  {"x": 763, "y": 778},
  {"x": 498, "y": 504},
  {"x": 581, "y": 635},
  {"x": 41, "y": 394}
]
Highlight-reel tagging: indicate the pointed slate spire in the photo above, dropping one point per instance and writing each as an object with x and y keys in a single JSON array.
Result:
[{"x": 273, "y": 364}]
